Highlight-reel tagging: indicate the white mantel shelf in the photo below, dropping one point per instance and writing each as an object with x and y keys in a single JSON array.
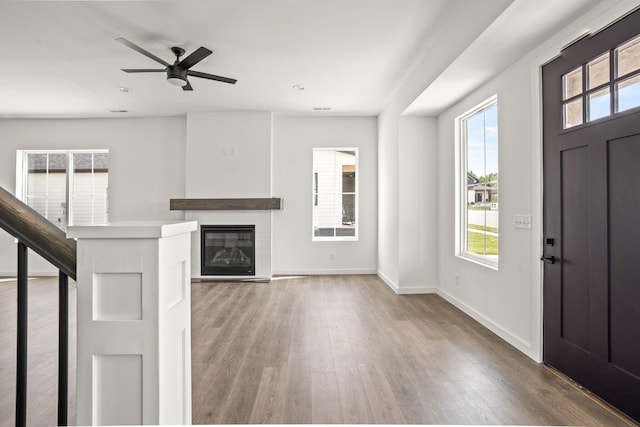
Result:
[
  {"x": 132, "y": 229},
  {"x": 240, "y": 204}
]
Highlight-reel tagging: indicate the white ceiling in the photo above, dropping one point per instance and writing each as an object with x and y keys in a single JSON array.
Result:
[{"x": 60, "y": 58}]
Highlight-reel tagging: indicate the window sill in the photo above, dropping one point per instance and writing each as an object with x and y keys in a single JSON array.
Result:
[
  {"x": 334, "y": 239},
  {"x": 489, "y": 261}
]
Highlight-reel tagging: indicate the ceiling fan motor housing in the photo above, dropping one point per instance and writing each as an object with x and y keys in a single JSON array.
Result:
[{"x": 176, "y": 72}]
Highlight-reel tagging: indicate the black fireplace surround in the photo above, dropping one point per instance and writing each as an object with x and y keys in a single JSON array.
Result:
[{"x": 227, "y": 250}]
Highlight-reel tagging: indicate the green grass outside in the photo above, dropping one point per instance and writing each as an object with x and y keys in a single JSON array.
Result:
[
  {"x": 482, "y": 228},
  {"x": 479, "y": 208},
  {"x": 476, "y": 244}
]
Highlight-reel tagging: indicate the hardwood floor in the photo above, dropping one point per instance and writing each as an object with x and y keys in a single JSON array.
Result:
[{"x": 325, "y": 349}]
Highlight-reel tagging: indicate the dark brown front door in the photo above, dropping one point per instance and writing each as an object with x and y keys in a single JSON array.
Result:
[{"x": 592, "y": 218}]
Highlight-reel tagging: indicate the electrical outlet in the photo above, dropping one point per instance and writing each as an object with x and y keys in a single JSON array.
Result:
[
  {"x": 332, "y": 257},
  {"x": 457, "y": 279}
]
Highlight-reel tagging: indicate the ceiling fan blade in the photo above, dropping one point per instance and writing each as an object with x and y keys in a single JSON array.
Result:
[
  {"x": 187, "y": 86},
  {"x": 198, "y": 55},
  {"x": 142, "y": 70},
  {"x": 211, "y": 77},
  {"x": 142, "y": 51}
]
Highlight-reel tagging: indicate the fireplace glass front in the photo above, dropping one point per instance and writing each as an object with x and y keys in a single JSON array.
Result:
[{"x": 227, "y": 250}]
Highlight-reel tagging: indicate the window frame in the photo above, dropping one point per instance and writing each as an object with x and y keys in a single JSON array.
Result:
[
  {"x": 315, "y": 194},
  {"x": 461, "y": 240},
  {"x": 22, "y": 170}
]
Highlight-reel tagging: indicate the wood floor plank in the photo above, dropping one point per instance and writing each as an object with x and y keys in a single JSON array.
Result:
[
  {"x": 268, "y": 407},
  {"x": 382, "y": 401},
  {"x": 298, "y": 389},
  {"x": 240, "y": 400},
  {"x": 320, "y": 346},
  {"x": 325, "y": 399},
  {"x": 353, "y": 397}
]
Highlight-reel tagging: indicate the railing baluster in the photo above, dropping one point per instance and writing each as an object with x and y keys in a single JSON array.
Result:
[
  {"x": 63, "y": 348},
  {"x": 21, "y": 353}
]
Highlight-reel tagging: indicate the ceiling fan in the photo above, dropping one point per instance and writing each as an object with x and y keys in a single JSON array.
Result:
[{"x": 178, "y": 71}]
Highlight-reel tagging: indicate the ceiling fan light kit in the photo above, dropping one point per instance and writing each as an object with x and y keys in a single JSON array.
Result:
[
  {"x": 177, "y": 81},
  {"x": 178, "y": 72}
]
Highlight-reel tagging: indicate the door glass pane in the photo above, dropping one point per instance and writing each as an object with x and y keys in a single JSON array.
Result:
[
  {"x": 599, "y": 104},
  {"x": 36, "y": 162},
  {"x": 90, "y": 181},
  {"x": 598, "y": 71},
  {"x": 572, "y": 84},
  {"x": 46, "y": 185},
  {"x": 58, "y": 162},
  {"x": 628, "y": 93},
  {"x": 628, "y": 57},
  {"x": 572, "y": 113}
]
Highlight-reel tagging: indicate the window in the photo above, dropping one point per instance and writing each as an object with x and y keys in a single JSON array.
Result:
[
  {"x": 479, "y": 194},
  {"x": 334, "y": 193},
  {"x": 66, "y": 187},
  {"x": 590, "y": 92}
]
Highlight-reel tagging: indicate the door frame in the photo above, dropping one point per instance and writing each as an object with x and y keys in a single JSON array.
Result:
[{"x": 598, "y": 18}]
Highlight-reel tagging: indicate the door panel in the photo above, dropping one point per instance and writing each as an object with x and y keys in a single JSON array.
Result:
[
  {"x": 624, "y": 267},
  {"x": 575, "y": 265},
  {"x": 591, "y": 310}
]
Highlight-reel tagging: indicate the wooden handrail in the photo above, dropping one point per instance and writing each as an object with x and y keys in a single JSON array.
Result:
[{"x": 38, "y": 233}]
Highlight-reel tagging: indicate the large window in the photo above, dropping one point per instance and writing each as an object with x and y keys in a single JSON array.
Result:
[
  {"x": 66, "y": 187},
  {"x": 479, "y": 193},
  {"x": 335, "y": 192}
]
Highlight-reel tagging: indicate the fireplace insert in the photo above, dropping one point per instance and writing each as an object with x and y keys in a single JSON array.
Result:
[{"x": 227, "y": 250}]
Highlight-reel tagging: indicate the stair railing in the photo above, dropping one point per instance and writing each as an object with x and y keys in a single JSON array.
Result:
[{"x": 35, "y": 232}]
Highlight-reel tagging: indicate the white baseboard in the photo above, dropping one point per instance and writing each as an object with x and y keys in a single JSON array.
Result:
[
  {"x": 407, "y": 290},
  {"x": 522, "y": 345},
  {"x": 388, "y": 281},
  {"x": 413, "y": 290},
  {"x": 319, "y": 272}
]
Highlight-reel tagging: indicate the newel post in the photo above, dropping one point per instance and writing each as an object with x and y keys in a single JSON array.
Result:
[{"x": 134, "y": 323}]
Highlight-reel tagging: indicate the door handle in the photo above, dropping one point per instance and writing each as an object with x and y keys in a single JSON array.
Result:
[{"x": 548, "y": 259}]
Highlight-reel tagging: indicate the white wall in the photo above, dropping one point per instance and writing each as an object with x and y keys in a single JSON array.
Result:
[
  {"x": 417, "y": 202},
  {"x": 229, "y": 156},
  {"x": 294, "y": 139},
  {"x": 388, "y": 198},
  {"x": 500, "y": 299},
  {"x": 437, "y": 53},
  {"x": 146, "y": 165}
]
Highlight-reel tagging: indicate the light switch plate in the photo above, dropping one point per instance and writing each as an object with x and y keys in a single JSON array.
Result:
[{"x": 522, "y": 221}]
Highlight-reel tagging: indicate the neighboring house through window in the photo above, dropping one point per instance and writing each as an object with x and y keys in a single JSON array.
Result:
[
  {"x": 66, "y": 187},
  {"x": 335, "y": 194},
  {"x": 478, "y": 233}
]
